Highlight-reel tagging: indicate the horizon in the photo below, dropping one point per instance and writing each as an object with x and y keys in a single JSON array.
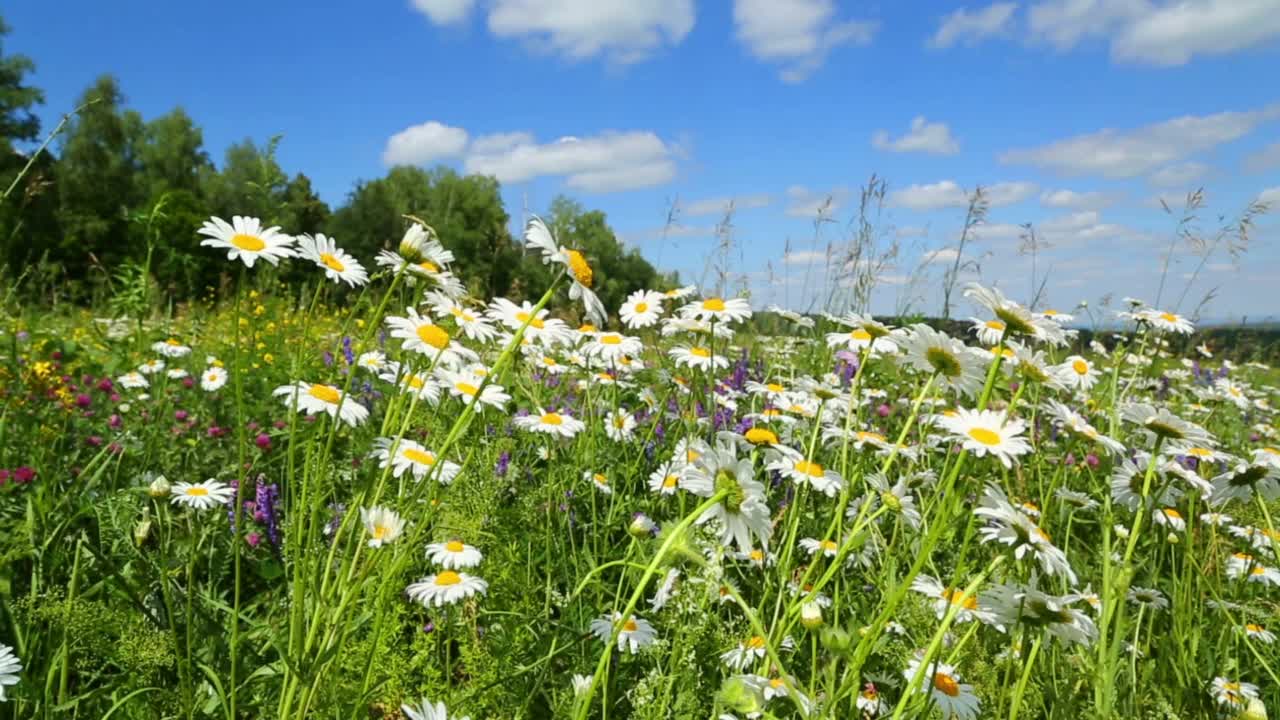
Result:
[{"x": 1077, "y": 116}]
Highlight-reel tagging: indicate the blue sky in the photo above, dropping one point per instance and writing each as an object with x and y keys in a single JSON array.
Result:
[{"x": 1078, "y": 115}]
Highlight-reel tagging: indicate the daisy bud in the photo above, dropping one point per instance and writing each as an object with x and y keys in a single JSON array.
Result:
[
  {"x": 641, "y": 526},
  {"x": 891, "y": 501},
  {"x": 1257, "y": 710},
  {"x": 1172, "y": 538},
  {"x": 811, "y": 615},
  {"x": 738, "y": 696},
  {"x": 837, "y": 641},
  {"x": 414, "y": 240},
  {"x": 141, "y": 531},
  {"x": 159, "y": 487}
]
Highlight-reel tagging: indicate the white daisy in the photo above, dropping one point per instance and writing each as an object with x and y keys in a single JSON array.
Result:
[
  {"x": 957, "y": 367},
  {"x": 202, "y": 496},
  {"x": 246, "y": 240},
  {"x": 466, "y": 386},
  {"x": 955, "y": 700},
  {"x": 620, "y": 425},
  {"x": 718, "y": 309},
  {"x": 988, "y": 431},
  {"x": 454, "y": 555},
  {"x": 1077, "y": 372},
  {"x": 213, "y": 378},
  {"x": 583, "y": 278},
  {"x": 611, "y": 347},
  {"x": 551, "y": 423},
  {"x": 446, "y": 588},
  {"x": 422, "y": 336},
  {"x": 170, "y": 348},
  {"x": 152, "y": 366},
  {"x": 642, "y": 309},
  {"x": 743, "y": 515},
  {"x": 1167, "y": 321},
  {"x": 338, "y": 266},
  {"x": 745, "y": 653},
  {"x": 1234, "y": 694},
  {"x": 10, "y": 666},
  {"x": 807, "y": 472},
  {"x": 413, "y": 457},
  {"x": 634, "y": 633},
  {"x": 698, "y": 358},
  {"x": 312, "y": 398},
  {"x": 383, "y": 524}
]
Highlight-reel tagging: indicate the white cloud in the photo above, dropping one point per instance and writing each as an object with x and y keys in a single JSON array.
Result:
[
  {"x": 718, "y": 205},
  {"x": 934, "y": 138},
  {"x": 969, "y": 28},
  {"x": 1129, "y": 153},
  {"x": 804, "y": 257},
  {"x": 911, "y": 231},
  {"x": 1270, "y": 196},
  {"x": 1072, "y": 200},
  {"x": 425, "y": 143},
  {"x": 445, "y": 12},
  {"x": 1178, "y": 176},
  {"x": 806, "y": 203},
  {"x": 1265, "y": 159},
  {"x": 949, "y": 194},
  {"x": 1157, "y": 32},
  {"x": 797, "y": 34},
  {"x": 624, "y": 31},
  {"x": 608, "y": 162},
  {"x": 943, "y": 255}
]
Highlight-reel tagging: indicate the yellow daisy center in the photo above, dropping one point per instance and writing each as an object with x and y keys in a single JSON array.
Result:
[
  {"x": 611, "y": 339},
  {"x": 331, "y": 262},
  {"x": 429, "y": 266},
  {"x": 552, "y": 419},
  {"x": 700, "y": 352},
  {"x": 860, "y": 335},
  {"x": 248, "y": 243},
  {"x": 642, "y": 307},
  {"x": 325, "y": 393},
  {"x": 987, "y": 437},
  {"x": 172, "y": 343},
  {"x": 1168, "y": 317},
  {"x": 467, "y": 388},
  {"x": 1080, "y": 366},
  {"x": 755, "y": 643},
  {"x": 761, "y": 436},
  {"x": 953, "y": 596},
  {"x": 448, "y": 577},
  {"x": 580, "y": 268},
  {"x": 1253, "y": 627},
  {"x": 630, "y": 626},
  {"x": 757, "y": 555},
  {"x": 946, "y": 684},
  {"x": 775, "y": 387},
  {"x": 829, "y": 546},
  {"x": 454, "y": 546},
  {"x": 1172, "y": 514},
  {"x": 600, "y": 479},
  {"x": 379, "y": 532},
  {"x": 523, "y": 317},
  {"x": 713, "y": 304},
  {"x": 994, "y": 325},
  {"x": 434, "y": 336},
  {"x": 812, "y": 469},
  {"x": 420, "y": 456},
  {"x": 670, "y": 481},
  {"x": 197, "y": 491}
]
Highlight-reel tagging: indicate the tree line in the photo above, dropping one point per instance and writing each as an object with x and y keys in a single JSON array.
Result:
[{"x": 116, "y": 192}]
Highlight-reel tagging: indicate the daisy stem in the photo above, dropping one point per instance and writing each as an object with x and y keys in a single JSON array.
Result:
[
  {"x": 1025, "y": 677},
  {"x": 239, "y": 508},
  {"x": 672, "y": 536},
  {"x": 935, "y": 644}
]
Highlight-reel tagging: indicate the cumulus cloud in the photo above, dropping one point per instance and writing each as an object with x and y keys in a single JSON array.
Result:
[
  {"x": 1270, "y": 196},
  {"x": 1157, "y": 32},
  {"x": 609, "y": 162},
  {"x": 926, "y": 137},
  {"x": 623, "y": 31},
  {"x": 1129, "y": 153},
  {"x": 806, "y": 203},
  {"x": 949, "y": 194},
  {"x": 445, "y": 12},
  {"x": 796, "y": 34},
  {"x": 1072, "y": 200},
  {"x": 425, "y": 143},
  {"x": 968, "y": 28},
  {"x": 718, "y": 205}
]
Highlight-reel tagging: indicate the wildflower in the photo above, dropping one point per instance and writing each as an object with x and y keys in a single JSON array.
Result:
[
  {"x": 246, "y": 240},
  {"x": 1259, "y": 633},
  {"x": 454, "y": 555},
  {"x": 745, "y": 653},
  {"x": 1159, "y": 422},
  {"x": 1245, "y": 480},
  {"x": 1023, "y": 604},
  {"x": 133, "y": 380},
  {"x": 599, "y": 480},
  {"x": 1170, "y": 518},
  {"x": 1167, "y": 321},
  {"x": 337, "y": 264},
  {"x": 412, "y": 457},
  {"x": 1148, "y": 598},
  {"x": 865, "y": 333},
  {"x": 869, "y": 702},
  {"x": 1017, "y": 319},
  {"x": 942, "y": 598},
  {"x": 170, "y": 348},
  {"x": 10, "y": 666},
  {"x": 314, "y": 398},
  {"x": 1233, "y": 693},
  {"x": 1077, "y": 372},
  {"x": 152, "y": 366},
  {"x": 717, "y": 309},
  {"x": 620, "y": 425},
  {"x": 742, "y": 515},
  {"x": 642, "y": 309},
  {"x": 953, "y": 698},
  {"x": 698, "y": 357},
  {"x": 808, "y": 472},
  {"x": 634, "y": 633},
  {"x": 611, "y": 347},
  {"x": 551, "y": 423},
  {"x": 466, "y": 385},
  {"x": 426, "y": 710},
  {"x": 383, "y": 524},
  {"x": 446, "y": 588},
  {"x": 955, "y": 365},
  {"x": 988, "y": 431},
  {"x": 422, "y": 336},
  {"x": 202, "y": 496},
  {"x": 538, "y": 235},
  {"x": 538, "y": 328}
]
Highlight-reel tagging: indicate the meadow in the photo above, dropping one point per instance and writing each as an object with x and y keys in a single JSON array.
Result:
[{"x": 345, "y": 488}]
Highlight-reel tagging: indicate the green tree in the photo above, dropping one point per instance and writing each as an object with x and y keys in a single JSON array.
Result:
[
  {"x": 304, "y": 211},
  {"x": 171, "y": 154},
  {"x": 17, "y": 121},
  {"x": 97, "y": 180},
  {"x": 27, "y": 217},
  {"x": 250, "y": 182}
]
